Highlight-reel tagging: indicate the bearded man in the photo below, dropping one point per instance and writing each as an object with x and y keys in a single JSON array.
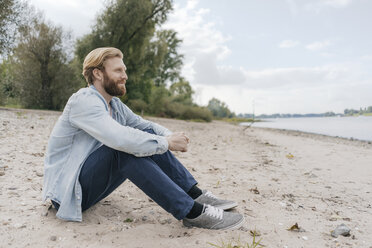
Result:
[{"x": 98, "y": 143}]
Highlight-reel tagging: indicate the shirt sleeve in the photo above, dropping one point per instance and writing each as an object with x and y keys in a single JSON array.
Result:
[
  {"x": 88, "y": 112},
  {"x": 136, "y": 121}
]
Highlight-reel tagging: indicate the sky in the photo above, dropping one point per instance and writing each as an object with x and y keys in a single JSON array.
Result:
[{"x": 272, "y": 56}]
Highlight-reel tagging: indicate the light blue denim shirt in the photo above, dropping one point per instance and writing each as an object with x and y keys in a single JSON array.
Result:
[{"x": 84, "y": 126}]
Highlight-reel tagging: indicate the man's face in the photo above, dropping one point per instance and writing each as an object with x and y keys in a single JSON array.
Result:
[{"x": 115, "y": 77}]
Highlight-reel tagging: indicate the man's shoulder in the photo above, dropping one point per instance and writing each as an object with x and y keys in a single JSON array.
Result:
[
  {"x": 87, "y": 91},
  {"x": 87, "y": 94}
]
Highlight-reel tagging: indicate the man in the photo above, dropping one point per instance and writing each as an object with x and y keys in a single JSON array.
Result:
[{"x": 98, "y": 143}]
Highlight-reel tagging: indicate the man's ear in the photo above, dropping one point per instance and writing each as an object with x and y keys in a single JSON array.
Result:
[{"x": 97, "y": 73}]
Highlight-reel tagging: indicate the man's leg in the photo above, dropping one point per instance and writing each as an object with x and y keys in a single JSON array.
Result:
[
  {"x": 182, "y": 177},
  {"x": 173, "y": 168},
  {"x": 106, "y": 169},
  {"x": 99, "y": 176}
]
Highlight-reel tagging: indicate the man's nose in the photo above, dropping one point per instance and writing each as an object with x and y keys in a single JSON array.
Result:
[{"x": 125, "y": 76}]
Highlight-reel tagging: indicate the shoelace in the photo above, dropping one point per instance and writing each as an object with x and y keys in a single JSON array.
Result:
[
  {"x": 214, "y": 212},
  {"x": 209, "y": 194}
]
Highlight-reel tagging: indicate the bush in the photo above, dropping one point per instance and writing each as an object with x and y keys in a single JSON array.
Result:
[
  {"x": 196, "y": 113},
  {"x": 2, "y": 97},
  {"x": 137, "y": 105}
]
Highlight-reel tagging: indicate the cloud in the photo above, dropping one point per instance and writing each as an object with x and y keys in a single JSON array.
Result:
[
  {"x": 204, "y": 46},
  {"x": 318, "y": 45},
  {"x": 79, "y": 19},
  {"x": 198, "y": 35},
  {"x": 288, "y": 43},
  {"x": 296, "y": 77},
  {"x": 319, "y": 5},
  {"x": 337, "y": 3},
  {"x": 207, "y": 72},
  {"x": 293, "y": 8}
]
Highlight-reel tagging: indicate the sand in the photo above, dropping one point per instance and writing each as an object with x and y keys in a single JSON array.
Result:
[{"x": 279, "y": 178}]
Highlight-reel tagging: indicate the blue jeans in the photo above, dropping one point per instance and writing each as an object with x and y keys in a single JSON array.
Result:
[{"x": 161, "y": 177}]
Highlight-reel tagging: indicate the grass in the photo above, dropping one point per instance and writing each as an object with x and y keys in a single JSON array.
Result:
[
  {"x": 16, "y": 106},
  {"x": 358, "y": 114},
  {"x": 236, "y": 120},
  {"x": 11, "y": 103},
  {"x": 238, "y": 244}
]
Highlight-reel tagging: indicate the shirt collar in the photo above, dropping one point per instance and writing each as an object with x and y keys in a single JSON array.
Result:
[{"x": 112, "y": 102}]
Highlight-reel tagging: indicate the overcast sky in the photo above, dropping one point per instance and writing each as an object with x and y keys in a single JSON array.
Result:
[{"x": 280, "y": 56}]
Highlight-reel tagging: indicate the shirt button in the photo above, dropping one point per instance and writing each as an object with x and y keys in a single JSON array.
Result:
[{"x": 78, "y": 197}]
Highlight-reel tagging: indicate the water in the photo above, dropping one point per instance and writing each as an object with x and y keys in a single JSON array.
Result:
[{"x": 346, "y": 127}]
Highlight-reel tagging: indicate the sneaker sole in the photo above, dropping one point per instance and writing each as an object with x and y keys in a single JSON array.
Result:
[
  {"x": 235, "y": 226},
  {"x": 227, "y": 206}
]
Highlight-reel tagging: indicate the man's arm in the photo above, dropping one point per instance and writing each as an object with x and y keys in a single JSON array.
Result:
[
  {"x": 136, "y": 121},
  {"x": 89, "y": 114},
  {"x": 176, "y": 141}
]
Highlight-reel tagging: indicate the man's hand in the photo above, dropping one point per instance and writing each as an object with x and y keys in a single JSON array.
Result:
[{"x": 178, "y": 142}]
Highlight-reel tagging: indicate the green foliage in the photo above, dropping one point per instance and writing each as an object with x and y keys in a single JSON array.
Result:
[
  {"x": 130, "y": 25},
  {"x": 169, "y": 103},
  {"x": 236, "y": 120},
  {"x": 159, "y": 100},
  {"x": 362, "y": 111},
  {"x": 7, "y": 87},
  {"x": 138, "y": 105},
  {"x": 219, "y": 109},
  {"x": 163, "y": 104},
  {"x": 169, "y": 61},
  {"x": 41, "y": 71},
  {"x": 182, "y": 92},
  {"x": 9, "y": 13},
  {"x": 196, "y": 113},
  {"x": 185, "y": 112}
]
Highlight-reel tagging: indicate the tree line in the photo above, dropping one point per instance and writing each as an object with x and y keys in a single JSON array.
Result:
[
  {"x": 347, "y": 112},
  {"x": 41, "y": 64},
  {"x": 361, "y": 111}
]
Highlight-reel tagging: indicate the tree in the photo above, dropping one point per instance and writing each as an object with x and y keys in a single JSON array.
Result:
[
  {"x": 182, "y": 92},
  {"x": 219, "y": 109},
  {"x": 41, "y": 70},
  {"x": 7, "y": 86},
  {"x": 130, "y": 25},
  {"x": 369, "y": 109},
  {"x": 10, "y": 18},
  {"x": 165, "y": 49}
]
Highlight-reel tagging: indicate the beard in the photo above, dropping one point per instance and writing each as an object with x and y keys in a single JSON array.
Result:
[{"x": 112, "y": 87}]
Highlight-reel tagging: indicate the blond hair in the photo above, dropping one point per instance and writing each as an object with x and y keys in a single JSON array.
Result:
[{"x": 96, "y": 59}]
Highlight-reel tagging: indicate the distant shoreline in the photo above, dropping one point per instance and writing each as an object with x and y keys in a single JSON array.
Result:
[
  {"x": 310, "y": 134},
  {"x": 348, "y": 128}
]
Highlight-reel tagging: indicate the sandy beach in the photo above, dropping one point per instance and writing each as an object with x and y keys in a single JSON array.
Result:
[{"x": 279, "y": 178}]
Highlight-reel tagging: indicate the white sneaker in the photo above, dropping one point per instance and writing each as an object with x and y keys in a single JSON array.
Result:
[{"x": 215, "y": 218}]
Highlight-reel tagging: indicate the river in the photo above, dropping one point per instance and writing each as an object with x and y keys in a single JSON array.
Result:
[{"x": 347, "y": 127}]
